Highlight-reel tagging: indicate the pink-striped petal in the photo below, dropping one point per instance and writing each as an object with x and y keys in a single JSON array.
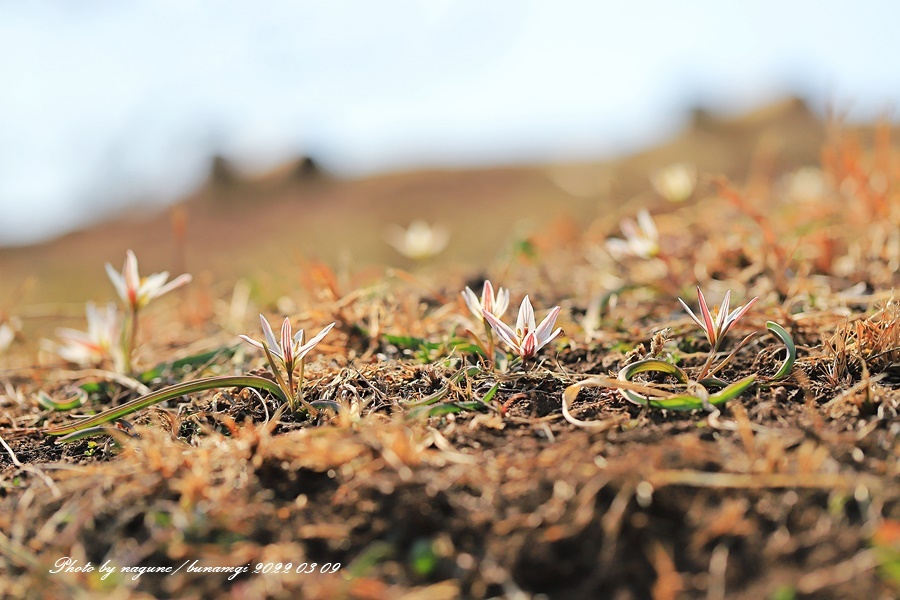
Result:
[
  {"x": 735, "y": 316},
  {"x": 305, "y": 348},
  {"x": 722, "y": 315},
  {"x": 529, "y": 346},
  {"x": 692, "y": 315},
  {"x": 550, "y": 338},
  {"x": 271, "y": 341},
  {"x": 472, "y": 302},
  {"x": 130, "y": 273},
  {"x": 707, "y": 318},
  {"x": 287, "y": 347},
  {"x": 504, "y": 331},
  {"x": 487, "y": 296},
  {"x": 546, "y": 325}
]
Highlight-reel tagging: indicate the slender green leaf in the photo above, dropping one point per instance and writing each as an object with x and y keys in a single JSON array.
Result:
[
  {"x": 445, "y": 389},
  {"x": 49, "y": 403},
  {"x": 490, "y": 394},
  {"x": 679, "y": 401},
  {"x": 169, "y": 393},
  {"x": 782, "y": 334},
  {"x": 197, "y": 360}
]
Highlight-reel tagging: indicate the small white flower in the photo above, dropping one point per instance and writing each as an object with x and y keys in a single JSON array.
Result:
[
  {"x": 715, "y": 329},
  {"x": 676, "y": 182},
  {"x": 7, "y": 335},
  {"x": 290, "y": 350},
  {"x": 136, "y": 292},
  {"x": 527, "y": 338},
  {"x": 98, "y": 343},
  {"x": 496, "y": 304},
  {"x": 641, "y": 238},
  {"x": 420, "y": 241}
]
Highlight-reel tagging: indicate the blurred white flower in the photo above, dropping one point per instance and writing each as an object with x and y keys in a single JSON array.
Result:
[
  {"x": 675, "y": 182},
  {"x": 420, "y": 241},
  {"x": 136, "y": 292},
  {"x": 496, "y": 304},
  {"x": 808, "y": 184},
  {"x": 641, "y": 238},
  {"x": 99, "y": 342},
  {"x": 7, "y": 335}
]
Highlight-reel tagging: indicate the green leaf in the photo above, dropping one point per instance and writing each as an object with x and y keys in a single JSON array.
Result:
[
  {"x": 782, "y": 334},
  {"x": 195, "y": 361},
  {"x": 406, "y": 342},
  {"x": 168, "y": 393},
  {"x": 49, "y": 403},
  {"x": 422, "y": 557},
  {"x": 425, "y": 348},
  {"x": 490, "y": 394},
  {"x": 679, "y": 401},
  {"x": 445, "y": 409}
]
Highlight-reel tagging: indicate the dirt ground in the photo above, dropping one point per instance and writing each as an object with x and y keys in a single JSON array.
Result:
[{"x": 434, "y": 475}]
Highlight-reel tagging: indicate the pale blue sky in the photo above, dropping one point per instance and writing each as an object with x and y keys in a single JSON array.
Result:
[{"x": 104, "y": 102}]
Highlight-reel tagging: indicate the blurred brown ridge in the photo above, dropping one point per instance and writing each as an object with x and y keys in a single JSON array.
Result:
[{"x": 236, "y": 225}]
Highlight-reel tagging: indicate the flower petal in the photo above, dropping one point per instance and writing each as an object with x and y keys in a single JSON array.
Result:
[
  {"x": 617, "y": 248},
  {"x": 501, "y": 303},
  {"x": 150, "y": 286},
  {"x": 707, "y": 318},
  {"x": 543, "y": 330},
  {"x": 648, "y": 227},
  {"x": 543, "y": 342},
  {"x": 692, "y": 315},
  {"x": 118, "y": 282},
  {"x": 130, "y": 272},
  {"x": 305, "y": 348},
  {"x": 175, "y": 283},
  {"x": 271, "y": 341},
  {"x": 738, "y": 313},
  {"x": 287, "y": 347},
  {"x": 504, "y": 331},
  {"x": 472, "y": 302},
  {"x": 251, "y": 341},
  {"x": 722, "y": 316},
  {"x": 487, "y": 296},
  {"x": 525, "y": 320},
  {"x": 529, "y": 346}
]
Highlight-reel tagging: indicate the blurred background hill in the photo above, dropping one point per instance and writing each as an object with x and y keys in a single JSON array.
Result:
[{"x": 221, "y": 139}]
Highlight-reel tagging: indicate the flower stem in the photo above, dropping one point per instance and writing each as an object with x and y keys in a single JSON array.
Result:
[
  {"x": 299, "y": 397},
  {"x": 129, "y": 336},
  {"x": 490, "y": 337},
  {"x": 706, "y": 366}
]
